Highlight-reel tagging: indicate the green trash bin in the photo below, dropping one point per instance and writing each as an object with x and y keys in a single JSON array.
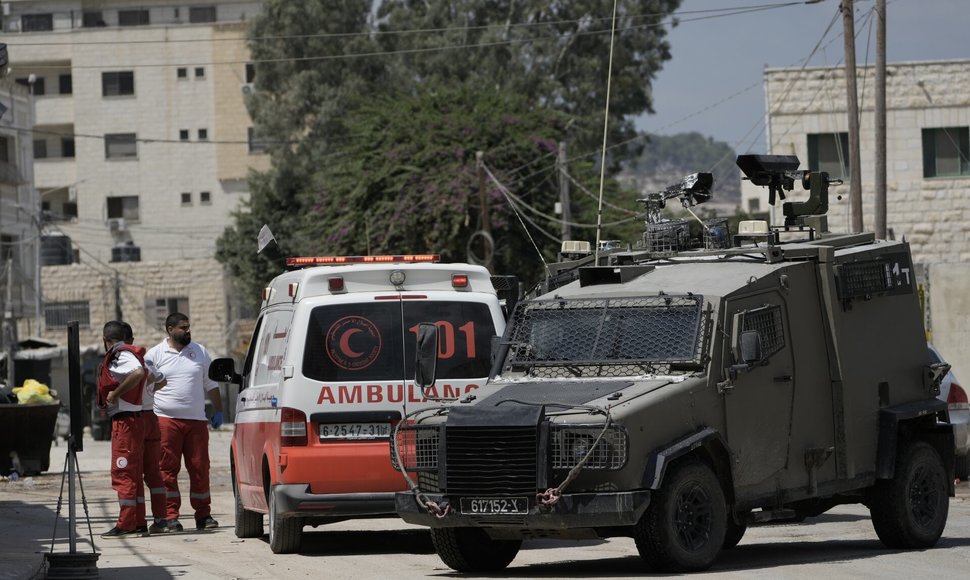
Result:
[{"x": 27, "y": 430}]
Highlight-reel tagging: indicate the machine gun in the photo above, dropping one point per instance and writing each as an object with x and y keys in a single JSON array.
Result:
[
  {"x": 778, "y": 173},
  {"x": 692, "y": 190}
]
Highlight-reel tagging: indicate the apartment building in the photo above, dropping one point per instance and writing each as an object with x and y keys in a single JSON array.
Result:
[
  {"x": 928, "y": 169},
  {"x": 141, "y": 149}
]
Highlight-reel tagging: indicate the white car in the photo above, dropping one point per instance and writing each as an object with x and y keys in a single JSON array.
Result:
[{"x": 956, "y": 399}]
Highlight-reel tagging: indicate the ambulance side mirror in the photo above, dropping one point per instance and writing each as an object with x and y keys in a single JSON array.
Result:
[
  {"x": 426, "y": 355},
  {"x": 223, "y": 370}
]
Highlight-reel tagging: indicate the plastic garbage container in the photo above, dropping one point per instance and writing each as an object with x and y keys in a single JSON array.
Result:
[{"x": 26, "y": 430}]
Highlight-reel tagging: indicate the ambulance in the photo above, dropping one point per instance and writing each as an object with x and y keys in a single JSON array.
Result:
[{"x": 329, "y": 373}]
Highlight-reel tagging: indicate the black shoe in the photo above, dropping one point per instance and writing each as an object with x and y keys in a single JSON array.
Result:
[
  {"x": 117, "y": 533},
  {"x": 165, "y": 527},
  {"x": 206, "y": 523}
]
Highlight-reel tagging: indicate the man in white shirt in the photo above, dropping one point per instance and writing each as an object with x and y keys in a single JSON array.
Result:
[{"x": 180, "y": 408}]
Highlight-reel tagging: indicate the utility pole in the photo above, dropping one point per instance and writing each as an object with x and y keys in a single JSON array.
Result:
[
  {"x": 880, "y": 201},
  {"x": 483, "y": 202},
  {"x": 852, "y": 96},
  {"x": 565, "y": 230},
  {"x": 9, "y": 328},
  {"x": 117, "y": 288}
]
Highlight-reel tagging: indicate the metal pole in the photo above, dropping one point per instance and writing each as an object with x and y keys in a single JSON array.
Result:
[
  {"x": 880, "y": 200},
  {"x": 852, "y": 97},
  {"x": 565, "y": 230}
]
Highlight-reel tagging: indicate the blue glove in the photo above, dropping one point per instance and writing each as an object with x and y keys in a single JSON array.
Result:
[{"x": 216, "y": 420}]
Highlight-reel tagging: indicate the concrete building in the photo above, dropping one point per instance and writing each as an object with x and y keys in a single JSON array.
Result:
[
  {"x": 928, "y": 170},
  {"x": 141, "y": 148}
]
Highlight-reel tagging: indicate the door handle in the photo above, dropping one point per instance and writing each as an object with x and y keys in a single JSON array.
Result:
[{"x": 783, "y": 379}]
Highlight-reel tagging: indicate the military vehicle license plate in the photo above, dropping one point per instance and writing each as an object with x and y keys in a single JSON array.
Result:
[
  {"x": 355, "y": 431},
  {"x": 494, "y": 505}
]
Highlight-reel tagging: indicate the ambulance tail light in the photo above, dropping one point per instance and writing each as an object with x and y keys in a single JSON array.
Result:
[
  {"x": 957, "y": 397},
  {"x": 292, "y": 428},
  {"x": 459, "y": 280}
]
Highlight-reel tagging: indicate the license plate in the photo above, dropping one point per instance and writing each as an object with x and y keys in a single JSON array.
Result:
[
  {"x": 494, "y": 505},
  {"x": 355, "y": 431}
]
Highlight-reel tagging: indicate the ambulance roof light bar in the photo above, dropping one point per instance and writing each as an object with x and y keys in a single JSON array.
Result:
[{"x": 305, "y": 261}]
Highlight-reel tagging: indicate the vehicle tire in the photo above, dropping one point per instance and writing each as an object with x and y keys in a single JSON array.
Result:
[
  {"x": 909, "y": 511},
  {"x": 248, "y": 524},
  {"x": 285, "y": 534},
  {"x": 734, "y": 533},
  {"x": 685, "y": 524},
  {"x": 962, "y": 471},
  {"x": 471, "y": 550}
]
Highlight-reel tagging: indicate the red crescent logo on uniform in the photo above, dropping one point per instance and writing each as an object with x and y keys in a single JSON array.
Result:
[{"x": 353, "y": 343}]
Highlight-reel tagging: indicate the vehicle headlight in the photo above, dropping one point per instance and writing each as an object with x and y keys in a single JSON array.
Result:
[{"x": 571, "y": 444}]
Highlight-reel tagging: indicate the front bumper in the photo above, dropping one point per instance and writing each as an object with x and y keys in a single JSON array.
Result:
[
  {"x": 576, "y": 510},
  {"x": 296, "y": 500}
]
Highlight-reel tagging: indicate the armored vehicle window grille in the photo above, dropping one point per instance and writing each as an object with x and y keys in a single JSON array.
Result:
[
  {"x": 491, "y": 460},
  {"x": 607, "y": 337},
  {"x": 570, "y": 444},
  {"x": 418, "y": 447},
  {"x": 767, "y": 321}
]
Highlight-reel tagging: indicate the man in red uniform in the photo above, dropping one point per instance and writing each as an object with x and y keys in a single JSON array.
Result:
[
  {"x": 152, "y": 444},
  {"x": 121, "y": 380}
]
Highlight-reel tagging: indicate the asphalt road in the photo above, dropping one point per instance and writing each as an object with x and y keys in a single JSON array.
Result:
[{"x": 838, "y": 544}]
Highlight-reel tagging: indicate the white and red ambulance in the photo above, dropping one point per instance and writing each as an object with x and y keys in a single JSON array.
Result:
[{"x": 329, "y": 372}]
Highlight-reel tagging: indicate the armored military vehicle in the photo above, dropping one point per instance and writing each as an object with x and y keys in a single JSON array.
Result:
[{"x": 689, "y": 389}]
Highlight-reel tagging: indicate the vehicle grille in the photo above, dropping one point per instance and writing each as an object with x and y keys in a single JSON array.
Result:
[{"x": 491, "y": 461}]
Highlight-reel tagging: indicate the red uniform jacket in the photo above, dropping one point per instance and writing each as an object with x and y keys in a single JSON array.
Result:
[{"x": 107, "y": 383}]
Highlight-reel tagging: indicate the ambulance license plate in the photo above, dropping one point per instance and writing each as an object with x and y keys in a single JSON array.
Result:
[
  {"x": 355, "y": 431},
  {"x": 494, "y": 505}
]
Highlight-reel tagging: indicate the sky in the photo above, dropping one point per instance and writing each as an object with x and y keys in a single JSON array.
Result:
[{"x": 713, "y": 83}]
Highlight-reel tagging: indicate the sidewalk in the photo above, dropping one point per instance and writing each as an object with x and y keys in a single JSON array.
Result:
[{"x": 29, "y": 512}]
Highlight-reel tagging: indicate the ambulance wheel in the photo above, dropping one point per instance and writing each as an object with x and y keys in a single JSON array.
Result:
[
  {"x": 685, "y": 525},
  {"x": 284, "y": 533},
  {"x": 472, "y": 550},
  {"x": 248, "y": 524},
  {"x": 909, "y": 511}
]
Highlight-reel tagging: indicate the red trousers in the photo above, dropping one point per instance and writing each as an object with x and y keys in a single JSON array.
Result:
[
  {"x": 153, "y": 460},
  {"x": 188, "y": 439},
  {"x": 127, "y": 456}
]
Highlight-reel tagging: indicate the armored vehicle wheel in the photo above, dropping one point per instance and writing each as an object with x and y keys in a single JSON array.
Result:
[
  {"x": 248, "y": 524},
  {"x": 909, "y": 511},
  {"x": 285, "y": 534},
  {"x": 734, "y": 534},
  {"x": 685, "y": 525},
  {"x": 962, "y": 470},
  {"x": 471, "y": 550}
]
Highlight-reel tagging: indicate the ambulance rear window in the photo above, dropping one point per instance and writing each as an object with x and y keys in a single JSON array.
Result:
[{"x": 374, "y": 341}]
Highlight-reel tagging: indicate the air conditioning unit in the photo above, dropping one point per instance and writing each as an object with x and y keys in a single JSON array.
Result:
[
  {"x": 117, "y": 225},
  {"x": 247, "y": 88}
]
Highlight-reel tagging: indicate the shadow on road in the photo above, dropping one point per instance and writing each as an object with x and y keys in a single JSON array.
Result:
[{"x": 353, "y": 543}]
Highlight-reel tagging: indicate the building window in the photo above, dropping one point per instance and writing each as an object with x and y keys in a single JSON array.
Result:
[
  {"x": 36, "y": 22},
  {"x": 829, "y": 152},
  {"x": 124, "y": 206},
  {"x": 250, "y": 72},
  {"x": 92, "y": 19},
  {"x": 183, "y": 134},
  {"x": 40, "y": 149},
  {"x": 114, "y": 84},
  {"x": 67, "y": 147},
  {"x": 199, "y": 72},
  {"x": 5, "y": 143},
  {"x": 158, "y": 309},
  {"x": 754, "y": 205},
  {"x": 203, "y": 134},
  {"x": 58, "y": 314},
  {"x": 182, "y": 72},
  {"x": 256, "y": 144},
  {"x": 37, "y": 88},
  {"x": 205, "y": 198},
  {"x": 186, "y": 199},
  {"x": 120, "y": 146},
  {"x": 946, "y": 152},
  {"x": 66, "y": 84},
  {"x": 133, "y": 17},
  {"x": 199, "y": 14}
]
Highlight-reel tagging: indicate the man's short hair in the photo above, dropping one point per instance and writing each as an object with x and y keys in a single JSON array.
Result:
[
  {"x": 129, "y": 333},
  {"x": 174, "y": 319},
  {"x": 114, "y": 330}
]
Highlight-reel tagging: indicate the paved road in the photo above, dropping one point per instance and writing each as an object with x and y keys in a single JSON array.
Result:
[{"x": 838, "y": 544}]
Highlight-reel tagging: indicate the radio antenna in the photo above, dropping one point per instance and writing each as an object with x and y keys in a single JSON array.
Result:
[{"x": 606, "y": 124}]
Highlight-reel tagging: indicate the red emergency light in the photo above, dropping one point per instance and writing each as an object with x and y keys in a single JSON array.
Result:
[
  {"x": 335, "y": 260},
  {"x": 459, "y": 280}
]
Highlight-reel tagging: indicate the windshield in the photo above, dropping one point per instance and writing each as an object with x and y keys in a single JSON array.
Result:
[
  {"x": 606, "y": 336},
  {"x": 374, "y": 341}
]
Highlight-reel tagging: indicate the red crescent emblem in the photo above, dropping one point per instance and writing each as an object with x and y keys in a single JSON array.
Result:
[
  {"x": 345, "y": 343},
  {"x": 366, "y": 343}
]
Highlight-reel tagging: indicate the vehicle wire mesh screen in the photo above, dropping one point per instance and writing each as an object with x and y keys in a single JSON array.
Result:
[
  {"x": 767, "y": 321},
  {"x": 418, "y": 447},
  {"x": 571, "y": 444},
  {"x": 606, "y": 337}
]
